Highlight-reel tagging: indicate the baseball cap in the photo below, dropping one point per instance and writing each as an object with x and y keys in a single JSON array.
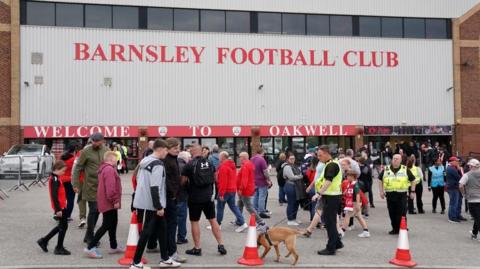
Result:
[
  {"x": 453, "y": 159},
  {"x": 474, "y": 163},
  {"x": 96, "y": 137}
]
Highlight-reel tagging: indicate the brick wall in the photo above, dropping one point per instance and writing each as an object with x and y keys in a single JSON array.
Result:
[
  {"x": 470, "y": 81},
  {"x": 470, "y": 29},
  {"x": 5, "y": 74},
  {"x": 9, "y": 135}
]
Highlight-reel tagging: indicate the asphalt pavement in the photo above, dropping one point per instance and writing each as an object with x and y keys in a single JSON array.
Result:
[{"x": 434, "y": 242}]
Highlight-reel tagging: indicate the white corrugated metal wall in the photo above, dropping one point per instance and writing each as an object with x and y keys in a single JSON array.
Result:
[
  {"x": 414, "y": 93},
  {"x": 404, "y": 8}
]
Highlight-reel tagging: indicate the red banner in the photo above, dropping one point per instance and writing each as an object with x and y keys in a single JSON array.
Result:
[
  {"x": 187, "y": 131},
  {"x": 78, "y": 131}
]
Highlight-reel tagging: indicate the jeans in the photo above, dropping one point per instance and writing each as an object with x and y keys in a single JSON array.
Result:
[
  {"x": 91, "y": 220},
  {"x": 70, "y": 198},
  {"x": 397, "y": 207},
  {"x": 109, "y": 224},
  {"x": 331, "y": 204},
  {"x": 259, "y": 199},
  {"x": 282, "y": 196},
  {"x": 229, "y": 198},
  {"x": 171, "y": 218},
  {"x": 154, "y": 224},
  {"x": 455, "y": 204},
  {"x": 475, "y": 212},
  {"x": 247, "y": 202},
  {"x": 182, "y": 212},
  {"x": 61, "y": 229},
  {"x": 292, "y": 207}
]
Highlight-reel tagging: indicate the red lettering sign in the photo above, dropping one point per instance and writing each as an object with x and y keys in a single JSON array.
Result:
[{"x": 78, "y": 131}]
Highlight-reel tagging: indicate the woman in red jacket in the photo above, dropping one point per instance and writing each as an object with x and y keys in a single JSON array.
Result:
[
  {"x": 58, "y": 201},
  {"x": 109, "y": 197},
  {"x": 69, "y": 158}
]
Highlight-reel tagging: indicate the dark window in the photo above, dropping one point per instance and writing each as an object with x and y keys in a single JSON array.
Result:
[
  {"x": 41, "y": 13},
  {"x": 238, "y": 22},
  {"x": 99, "y": 16},
  {"x": 392, "y": 27},
  {"x": 293, "y": 24},
  {"x": 436, "y": 28},
  {"x": 125, "y": 17},
  {"x": 212, "y": 21},
  {"x": 414, "y": 28},
  {"x": 269, "y": 23},
  {"x": 341, "y": 25},
  {"x": 318, "y": 25},
  {"x": 160, "y": 18},
  {"x": 69, "y": 15},
  {"x": 369, "y": 26},
  {"x": 185, "y": 20}
]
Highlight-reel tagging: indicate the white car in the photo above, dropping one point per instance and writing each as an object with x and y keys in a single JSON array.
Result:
[{"x": 35, "y": 160}]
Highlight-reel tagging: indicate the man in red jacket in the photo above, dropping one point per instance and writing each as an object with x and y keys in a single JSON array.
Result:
[
  {"x": 246, "y": 187},
  {"x": 227, "y": 189}
]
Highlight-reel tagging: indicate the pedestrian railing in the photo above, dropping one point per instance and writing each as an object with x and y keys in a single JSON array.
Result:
[{"x": 40, "y": 173}]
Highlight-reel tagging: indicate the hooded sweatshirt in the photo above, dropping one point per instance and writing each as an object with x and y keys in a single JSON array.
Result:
[
  {"x": 246, "y": 179},
  {"x": 109, "y": 188},
  {"x": 151, "y": 193},
  {"x": 227, "y": 178},
  {"x": 471, "y": 180}
]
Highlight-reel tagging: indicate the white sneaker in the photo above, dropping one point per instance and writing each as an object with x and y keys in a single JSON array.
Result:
[
  {"x": 169, "y": 264},
  {"x": 178, "y": 258},
  {"x": 292, "y": 223},
  {"x": 364, "y": 234},
  {"x": 351, "y": 228},
  {"x": 241, "y": 228},
  {"x": 209, "y": 227},
  {"x": 139, "y": 266},
  {"x": 82, "y": 224},
  {"x": 341, "y": 233}
]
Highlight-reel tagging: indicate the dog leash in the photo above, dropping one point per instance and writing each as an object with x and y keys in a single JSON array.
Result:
[{"x": 304, "y": 207}]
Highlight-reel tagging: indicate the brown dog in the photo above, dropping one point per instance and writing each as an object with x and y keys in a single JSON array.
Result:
[{"x": 278, "y": 235}]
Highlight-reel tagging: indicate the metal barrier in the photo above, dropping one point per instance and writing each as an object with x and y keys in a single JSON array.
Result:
[{"x": 40, "y": 175}]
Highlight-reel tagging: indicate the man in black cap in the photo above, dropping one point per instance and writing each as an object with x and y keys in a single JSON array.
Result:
[{"x": 90, "y": 158}]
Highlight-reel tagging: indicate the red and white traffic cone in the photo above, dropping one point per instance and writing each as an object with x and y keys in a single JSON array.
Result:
[
  {"x": 250, "y": 254},
  {"x": 132, "y": 241},
  {"x": 403, "y": 257}
]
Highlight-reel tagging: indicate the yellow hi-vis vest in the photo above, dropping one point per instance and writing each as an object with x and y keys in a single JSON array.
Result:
[
  {"x": 335, "y": 186},
  {"x": 396, "y": 182},
  {"x": 415, "y": 172}
]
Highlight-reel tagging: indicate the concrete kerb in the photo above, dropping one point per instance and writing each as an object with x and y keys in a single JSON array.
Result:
[{"x": 218, "y": 266}]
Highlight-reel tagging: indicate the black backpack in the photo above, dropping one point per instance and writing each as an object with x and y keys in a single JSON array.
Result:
[{"x": 203, "y": 172}]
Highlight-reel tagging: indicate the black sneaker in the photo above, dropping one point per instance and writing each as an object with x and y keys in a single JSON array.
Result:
[
  {"x": 264, "y": 216},
  {"x": 326, "y": 252},
  {"x": 392, "y": 232},
  {"x": 412, "y": 213},
  {"x": 434, "y": 211},
  {"x": 194, "y": 251},
  {"x": 372, "y": 206},
  {"x": 61, "y": 251},
  {"x": 222, "y": 250},
  {"x": 43, "y": 244},
  {"x": 421, "y": 211},
  {"x": 443, "y": 212},
  {"x": 182, "y": 241},
  {"x": 462, "y": 218},
  {"x": 339, "y": 245}
]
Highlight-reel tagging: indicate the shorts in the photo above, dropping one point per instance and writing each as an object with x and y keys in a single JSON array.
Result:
[{"x": 195, "y": 210}]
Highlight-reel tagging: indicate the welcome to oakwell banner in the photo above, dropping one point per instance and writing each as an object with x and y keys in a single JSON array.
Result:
[{"x": 185, "y": 131}]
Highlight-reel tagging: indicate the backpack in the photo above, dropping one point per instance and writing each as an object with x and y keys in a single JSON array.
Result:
[
  {"x": 280, "y": 179},
  {"x": 203, "y": 172}
]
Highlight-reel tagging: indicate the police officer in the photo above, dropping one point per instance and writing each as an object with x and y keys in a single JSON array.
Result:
[
  {"x": 394, "y": 183},
  {"x": 329, "y": 191},
  {"x": 418, "y": 174}
]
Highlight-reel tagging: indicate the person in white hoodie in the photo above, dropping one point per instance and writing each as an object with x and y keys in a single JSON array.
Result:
[
  {"x": 150, "y": 200},
  {"x": 470, "y": 188}
]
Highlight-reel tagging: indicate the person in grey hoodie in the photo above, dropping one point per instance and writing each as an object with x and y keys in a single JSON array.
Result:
[
  {"x": 470, "y": 188},
  {"x": 151, "y": 200}
]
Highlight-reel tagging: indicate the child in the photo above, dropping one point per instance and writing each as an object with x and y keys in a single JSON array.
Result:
[
  {"x": 109, "y": 196},
  {"x": 58, "y": 200},
  {"x": 353, "y": 204}
]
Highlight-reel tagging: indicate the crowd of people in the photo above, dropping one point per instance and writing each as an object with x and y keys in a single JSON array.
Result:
[{"x": 170, "y": 184}]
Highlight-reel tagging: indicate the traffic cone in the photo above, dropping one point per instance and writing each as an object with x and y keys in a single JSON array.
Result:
[
  {"x": 133, "y": 236},
  {"x": 250, "y": 254},
  {"x": 403, "y": 257}
]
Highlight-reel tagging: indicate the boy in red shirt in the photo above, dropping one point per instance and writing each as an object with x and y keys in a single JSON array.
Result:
[
  {"x": 353, "y": 204},
  {"x": 58, "y": 200}
]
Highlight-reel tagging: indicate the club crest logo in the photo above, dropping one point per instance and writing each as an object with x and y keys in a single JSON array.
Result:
[
  {"x": 162, "y": 131},
  {"x": 236, "y": 130}
]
